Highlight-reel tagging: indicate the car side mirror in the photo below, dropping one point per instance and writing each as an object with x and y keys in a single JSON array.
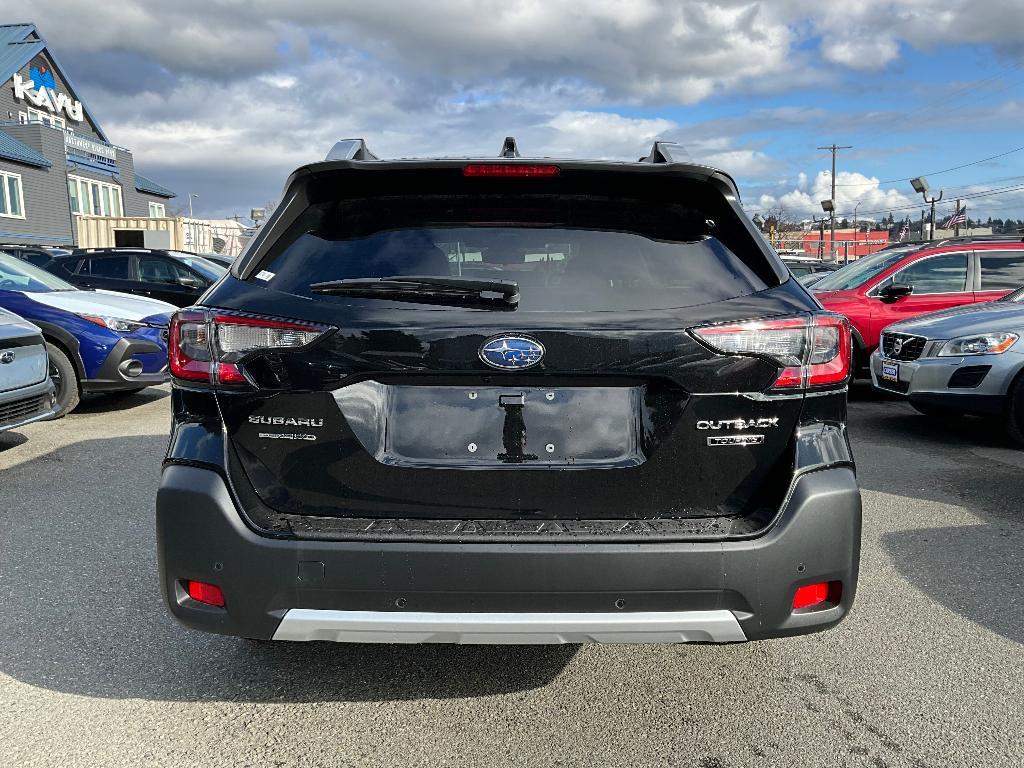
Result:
[
  {"x": 895, "y": 291},
  {"x": 190, "y": 282}
]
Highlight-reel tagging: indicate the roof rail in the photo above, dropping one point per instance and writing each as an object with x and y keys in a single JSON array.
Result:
[
  {"x": 509, "y": 148},
  {"x": 350, "y": 149},
  {"x": 982, "y": 238},
  {"x": 667, "y": 152}
]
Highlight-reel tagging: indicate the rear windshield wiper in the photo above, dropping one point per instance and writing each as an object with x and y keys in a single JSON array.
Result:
[{"x": 452, "y": 291}]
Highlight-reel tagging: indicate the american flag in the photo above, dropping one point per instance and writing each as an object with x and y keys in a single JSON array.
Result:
[
  {"x": 905, "y": 230},
  {"x": 958, "y": 217}
]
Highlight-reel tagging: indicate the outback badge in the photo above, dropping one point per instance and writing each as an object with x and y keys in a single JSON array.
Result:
[{"x": 509, "y": 352}]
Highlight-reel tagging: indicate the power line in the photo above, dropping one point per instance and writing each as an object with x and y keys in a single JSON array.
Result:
[
  {"x": 832, "y": 200},
  {"x": 936, "y": 173},
  {"x": 971, "y": 89}
]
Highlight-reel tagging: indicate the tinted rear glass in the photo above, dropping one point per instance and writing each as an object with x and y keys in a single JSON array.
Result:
[
  {"x": 117, "y": 267},
  {"x": 566, "y": 254}
]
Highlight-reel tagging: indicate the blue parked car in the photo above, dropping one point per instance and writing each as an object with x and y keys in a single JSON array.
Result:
[{"x": 98, "y": 341}]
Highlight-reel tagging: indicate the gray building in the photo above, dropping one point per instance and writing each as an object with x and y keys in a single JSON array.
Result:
[{"x": 55, "y": 159}]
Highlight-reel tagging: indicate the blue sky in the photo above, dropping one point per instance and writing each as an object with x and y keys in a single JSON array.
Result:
[{"x": 224, "y": 98}]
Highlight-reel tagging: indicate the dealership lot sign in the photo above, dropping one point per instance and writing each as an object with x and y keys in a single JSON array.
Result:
[{"x": 47, "y": 98}]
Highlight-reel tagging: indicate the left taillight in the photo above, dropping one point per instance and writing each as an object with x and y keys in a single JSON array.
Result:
[
  {"x": 208, "y": 346},
  {"x": 811, "y": 351}
]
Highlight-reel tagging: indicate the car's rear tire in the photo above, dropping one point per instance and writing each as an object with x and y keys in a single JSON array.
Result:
[
  {"x": 1015, "y": 412},
  {"x": 67, "y": 390},
  {"x": 938, "y": 411}
]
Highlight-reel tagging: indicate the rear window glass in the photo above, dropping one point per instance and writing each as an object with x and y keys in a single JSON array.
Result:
[
  {"x": 565, "y": 254},
  {"x": 117, "y": 267}
]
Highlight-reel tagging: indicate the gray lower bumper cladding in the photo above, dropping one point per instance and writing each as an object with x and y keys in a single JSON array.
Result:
[
  {"x": 509, "y": 628},
  {"x": 487, "y": 592}
]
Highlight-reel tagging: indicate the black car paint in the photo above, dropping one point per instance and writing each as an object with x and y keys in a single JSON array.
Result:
[
  {"x": 178, "y": 294},
  {"x": 258, "y": 508}
]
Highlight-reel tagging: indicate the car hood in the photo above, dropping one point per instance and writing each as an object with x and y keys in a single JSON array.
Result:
[
  {"x": 14, "y": 326},
  {"x": 107, "y": 303},
  {"x": 9, "y": 318},
  {"x": 963, "y": 321}
]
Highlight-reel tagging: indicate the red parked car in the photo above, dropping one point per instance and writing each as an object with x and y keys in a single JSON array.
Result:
[{"x": 902, "y": 282}]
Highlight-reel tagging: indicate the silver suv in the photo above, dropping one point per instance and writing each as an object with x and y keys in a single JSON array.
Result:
[
  {"x": 26, "y": 392},
  {"x": 961, "y": 360}
]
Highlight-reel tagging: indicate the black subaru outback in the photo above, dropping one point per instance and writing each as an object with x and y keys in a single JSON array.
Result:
[{"x": 509, "y": 401}]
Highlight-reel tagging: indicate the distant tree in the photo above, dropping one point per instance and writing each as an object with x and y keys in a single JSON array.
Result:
[{"x": 845, "y": 223}]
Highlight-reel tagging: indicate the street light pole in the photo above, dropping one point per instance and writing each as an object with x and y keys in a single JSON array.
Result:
[
  {"x": 190, "y": 196},
  {"x": 833, "y": 149},
  {"x": 920, "y": 184}
]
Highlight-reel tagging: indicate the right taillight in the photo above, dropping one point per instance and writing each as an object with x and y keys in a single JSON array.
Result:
[
  {"x": 811, "y": 351},
  {"x": 208, "y": 346}
]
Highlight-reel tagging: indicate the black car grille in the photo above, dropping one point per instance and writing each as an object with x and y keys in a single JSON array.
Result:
[
  {"x": 21, "y": 409},
  {"x": 968, "y": 377},
  {"x": 901, "y": 346}
]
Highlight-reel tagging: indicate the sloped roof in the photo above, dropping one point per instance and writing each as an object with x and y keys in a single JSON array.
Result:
[
  {"x": 12, "y": 149},
  {"x": 18, "y": 44},
  {"x": 149, "y": 186}
]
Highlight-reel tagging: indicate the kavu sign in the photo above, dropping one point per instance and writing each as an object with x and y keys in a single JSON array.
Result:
[
  {"x": 57, "y": 163},
  {"x": 41, "y": 91}
]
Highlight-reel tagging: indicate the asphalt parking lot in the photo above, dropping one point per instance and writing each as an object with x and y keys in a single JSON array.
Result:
[{"x": 927, "y": 671}]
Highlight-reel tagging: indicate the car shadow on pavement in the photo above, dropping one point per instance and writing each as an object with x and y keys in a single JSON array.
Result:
[
  {"x": 973, "y": 570},
  {"x": 83, "y": 612},
  {"x": 11, "y": 439},
  {"x": 109, "y": 402},
  {"x": 969, "y": 462}
]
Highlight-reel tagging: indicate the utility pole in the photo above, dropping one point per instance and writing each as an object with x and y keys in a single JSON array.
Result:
[
  {"x": 834, "y": 149},
  {"x": 856, "y": 233}
]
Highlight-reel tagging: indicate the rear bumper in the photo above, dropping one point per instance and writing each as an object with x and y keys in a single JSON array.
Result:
[{"x": 506, "y": 593}]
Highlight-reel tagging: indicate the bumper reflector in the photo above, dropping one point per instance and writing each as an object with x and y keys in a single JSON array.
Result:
[
  {"x": 202, "y": 592},
  {"x": 811, "y": 595}
]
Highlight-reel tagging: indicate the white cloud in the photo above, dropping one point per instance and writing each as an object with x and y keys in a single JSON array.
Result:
[
  {"x": 233, "y": 94},
  {"x": 852, "y": 189}
]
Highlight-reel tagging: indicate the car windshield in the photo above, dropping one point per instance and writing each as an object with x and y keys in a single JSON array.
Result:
[
  {"x": 857, "y": 273},
  {"x": 18, "y": 275},
  {"x": 1017, "y": 296},
  {"x": 207, "y": 269}
]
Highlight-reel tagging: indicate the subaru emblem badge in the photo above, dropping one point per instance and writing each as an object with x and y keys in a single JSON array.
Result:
[
  {"x": 511, "y": 353},
  {"x": 7, "y": 357}
]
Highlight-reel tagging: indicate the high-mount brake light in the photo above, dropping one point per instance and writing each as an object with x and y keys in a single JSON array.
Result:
[
  {"x": 207, "y": 346},
  {"x": 811, "y": 351},
  {"x": 516, "y": 170}
]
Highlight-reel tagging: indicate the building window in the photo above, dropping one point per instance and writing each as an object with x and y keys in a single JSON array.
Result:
[
  {"x": 38, "y": 116},
  {"x": 11, "y": 197},
  {"x": 94, "y": 198},
  {"x": 157, "y": 210}
]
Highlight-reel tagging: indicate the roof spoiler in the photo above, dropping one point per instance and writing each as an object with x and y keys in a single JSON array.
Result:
[
  {"x": 667, "y": 152},
  {"x": 350, "y": 149}
]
